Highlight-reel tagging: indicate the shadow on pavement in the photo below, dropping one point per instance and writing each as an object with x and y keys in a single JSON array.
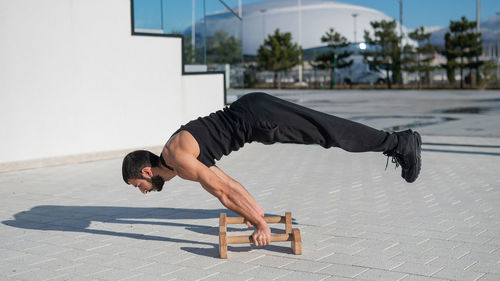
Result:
[{"x": 79, "y": 219}]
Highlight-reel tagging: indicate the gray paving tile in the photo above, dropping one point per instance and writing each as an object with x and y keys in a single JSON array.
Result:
[
  {"x": 229, "y": 277},
  {"x": 382, "y": 275},
  {"x": 40, "y": 274},
  {"x": 267, "y": 273},
  {"x": 272, "y": 261},
  {"x": 306, "y": 276},
  {"x": 191, "y": 274},
  {"x": 490, "y": 277},
  {"x": 343, "y": 270},
  {"x": 306, "y": 266}
]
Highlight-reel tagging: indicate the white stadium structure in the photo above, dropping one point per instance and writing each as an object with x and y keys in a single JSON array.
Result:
[{"x": 307, "y": 20}]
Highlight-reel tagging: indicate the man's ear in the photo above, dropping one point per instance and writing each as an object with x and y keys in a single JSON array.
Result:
[{"x": 146, "y": 171}]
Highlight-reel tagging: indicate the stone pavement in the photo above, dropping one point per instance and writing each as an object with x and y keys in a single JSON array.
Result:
[{"x": 357, "y": 220}]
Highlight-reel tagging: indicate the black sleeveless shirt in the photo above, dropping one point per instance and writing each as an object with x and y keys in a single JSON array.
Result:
[
  {"x": 220, "y": 133},
  {"x": 253, "y": 117}
]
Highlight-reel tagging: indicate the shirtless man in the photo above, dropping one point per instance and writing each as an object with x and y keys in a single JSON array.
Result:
[{"x": 192, "y": 150}]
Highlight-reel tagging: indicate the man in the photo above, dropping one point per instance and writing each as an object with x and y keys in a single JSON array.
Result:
[{"x": 192, "y": 150}]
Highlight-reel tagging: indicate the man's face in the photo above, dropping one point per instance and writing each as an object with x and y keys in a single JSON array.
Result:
[{"x": 146, "y": 184}]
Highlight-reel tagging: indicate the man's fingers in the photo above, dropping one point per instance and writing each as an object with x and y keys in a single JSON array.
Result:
[
  {"x": 247, "y": 223},
  {"x": 254, "y": 240},
  {"x": 260, "y": 241}
]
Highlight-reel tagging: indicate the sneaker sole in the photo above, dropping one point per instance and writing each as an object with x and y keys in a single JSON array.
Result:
[{"x": 418, "y": 162}]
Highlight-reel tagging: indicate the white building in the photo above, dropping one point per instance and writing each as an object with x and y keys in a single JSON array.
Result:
[
  {"x": 307, "y": 20},
  {"x": 74, "y": 81}
]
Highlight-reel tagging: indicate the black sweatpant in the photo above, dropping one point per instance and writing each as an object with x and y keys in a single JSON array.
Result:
[{"x": 275, "y": 120}]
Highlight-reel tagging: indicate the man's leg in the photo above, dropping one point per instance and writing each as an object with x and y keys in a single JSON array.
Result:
[{"x": 277, "y": 120}]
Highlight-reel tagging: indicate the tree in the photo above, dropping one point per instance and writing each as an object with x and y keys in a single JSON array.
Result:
[
  {"x": 278, "y": 53},
  {"x": 418, "y": 59},
  {"x": 222, "y": 48},
  {"x": 464, "y": 44},
  {"x": 333, "y": 58},
  {"x": 387, "y": 52}
]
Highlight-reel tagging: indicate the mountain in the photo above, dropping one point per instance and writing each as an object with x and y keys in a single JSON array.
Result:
[{"x": 490, "y": 30}]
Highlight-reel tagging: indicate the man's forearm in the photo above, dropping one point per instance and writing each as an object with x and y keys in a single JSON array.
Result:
[
  {"x": 242, "y": 190},
  {"x": 236, "y": 186},
  {"x": 244, "y": 205}
]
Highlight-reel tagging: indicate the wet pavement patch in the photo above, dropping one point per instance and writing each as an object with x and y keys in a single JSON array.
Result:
[
  {"x": 422, "y": 122},
  {"x": 468, "y": 110}
]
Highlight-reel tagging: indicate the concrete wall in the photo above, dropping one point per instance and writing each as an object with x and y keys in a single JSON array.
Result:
[
  {"x": 201, "y": 95},
  {"x": 73, "y": 80}
]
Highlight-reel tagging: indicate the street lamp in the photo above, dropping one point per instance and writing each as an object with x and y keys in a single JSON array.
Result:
[
  {"x": 299, "y": 4},
  {"x": 401, "y": 18},
  {"x": 354, "y": 16},
  {"x": 478, "y": 15},
  {"x": 263, "y": 24}
]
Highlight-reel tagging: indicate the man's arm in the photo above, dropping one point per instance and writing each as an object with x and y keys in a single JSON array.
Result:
[
  {"x": 235, "y": 199},
  {"x": 238, "y": 187}
]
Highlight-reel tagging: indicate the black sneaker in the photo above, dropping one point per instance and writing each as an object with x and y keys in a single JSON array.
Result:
[{"x": 407, "y": 154}]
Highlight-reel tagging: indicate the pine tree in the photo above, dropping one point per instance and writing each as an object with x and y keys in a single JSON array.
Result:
[
  {"x": 387, "y": 52},
  {"x": 333, "y": 58},
  {"x": 418, "y": 59},
  {"x": 464, "y": 44},
  {"x": 222, "y": 48},
  {"x": 278, "y": 53}
]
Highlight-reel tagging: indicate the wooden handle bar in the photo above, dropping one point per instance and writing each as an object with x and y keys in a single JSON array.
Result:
[
  {"x": 248, "y": 239},
  {"x": 277, "y": 219}
]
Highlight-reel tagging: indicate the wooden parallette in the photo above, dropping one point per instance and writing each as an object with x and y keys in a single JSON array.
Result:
[{"x": 290, "y": 234}]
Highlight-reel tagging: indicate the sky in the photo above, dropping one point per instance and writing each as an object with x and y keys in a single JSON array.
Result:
[{"x": 416, "y": 13}]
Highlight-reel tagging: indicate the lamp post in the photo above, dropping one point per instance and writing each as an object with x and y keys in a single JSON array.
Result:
[
  {"x": 193, "y": 30},
  {"x": 401, "y": 36},
  {"x": 299, "y": 3},
  {"x": 354, "y": 16},
  {"x": 478, "y": 15},
  {"x": 263, "y": 11},
  {"x": 401, "y": 18}
]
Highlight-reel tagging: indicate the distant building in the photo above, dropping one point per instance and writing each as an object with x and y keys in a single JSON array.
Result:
[{"x": 307, "y": 22}]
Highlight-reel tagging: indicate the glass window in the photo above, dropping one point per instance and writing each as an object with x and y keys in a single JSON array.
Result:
[{"x": 212, "y": 32}]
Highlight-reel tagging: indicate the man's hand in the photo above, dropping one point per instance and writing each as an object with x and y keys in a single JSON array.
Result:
[{"x": 262, "y": 236}]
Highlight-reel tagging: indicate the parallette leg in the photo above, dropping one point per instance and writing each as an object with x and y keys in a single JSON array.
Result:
[
  {"x": 296, "y": 242},
  {"x": 222, "y": 236}
]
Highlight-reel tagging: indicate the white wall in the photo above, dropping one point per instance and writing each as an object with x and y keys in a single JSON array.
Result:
[
  {"x": 201, "y": 95},
  {"x": 73, "y": 80}
]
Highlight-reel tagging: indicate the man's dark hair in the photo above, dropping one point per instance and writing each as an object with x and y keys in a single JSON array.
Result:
[{"x": 135, "y": 161}]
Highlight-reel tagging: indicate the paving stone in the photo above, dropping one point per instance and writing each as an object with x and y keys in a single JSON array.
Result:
[
  {"x": 229, "y": 277},
  {"x": 272, "y": 261},
  {"x": 462, "y": 275},
  {"x": 418, "y": 269},
  {"x": 490, "y": 277},
  {"x": 343, "y": 270},
  {"x": 412, "y": 277},
  {"x": 159, "y": 269},
  {"x": 115, "y": 274},
  {"x": 40, "y": 274},
  {"x": 267, "y": 273},
  {"x": 306, "y": 266},
  {"x": 382, "y": 275},
  {"x": 306, "y": 276},
  {"x": 234, "y": 267},
  {"x": 191, "y": 274}
]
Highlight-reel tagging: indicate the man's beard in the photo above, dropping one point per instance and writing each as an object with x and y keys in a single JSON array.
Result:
[{"x": 157, "y": 182}]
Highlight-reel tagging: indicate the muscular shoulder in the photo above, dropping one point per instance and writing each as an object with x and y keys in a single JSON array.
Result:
[
  {"x": 181, "y": 143},
  {"x": 181, "y": 152}
]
